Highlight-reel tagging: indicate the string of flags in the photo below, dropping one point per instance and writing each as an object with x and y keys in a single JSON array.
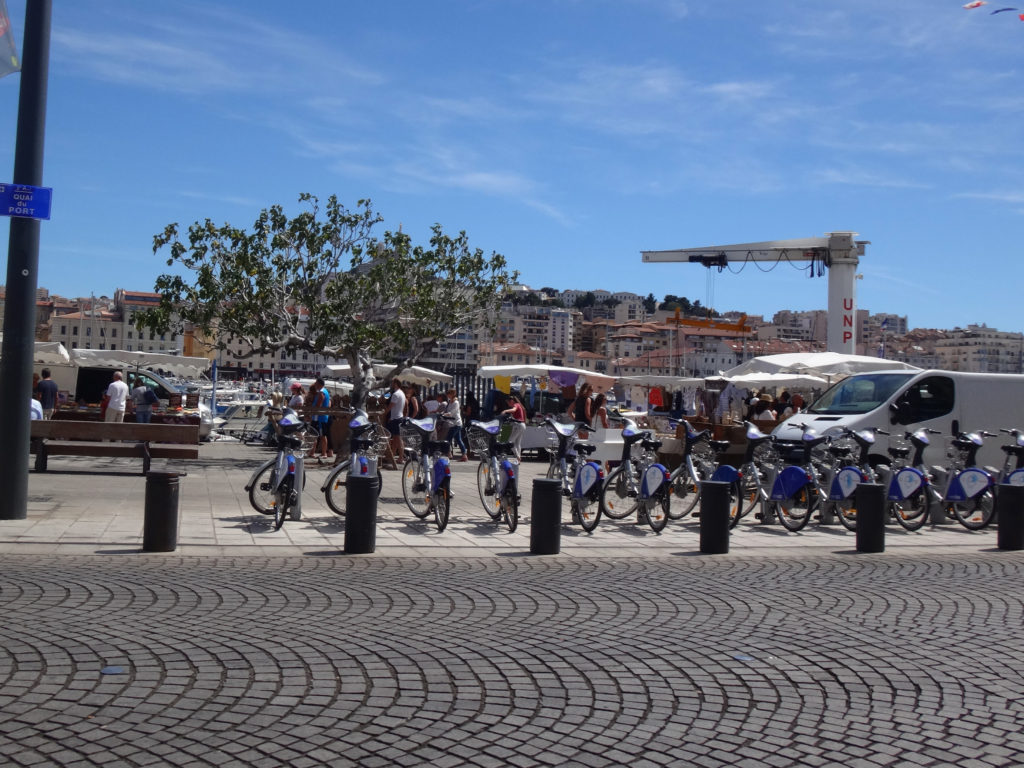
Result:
[{"x": 978, "y": 3}]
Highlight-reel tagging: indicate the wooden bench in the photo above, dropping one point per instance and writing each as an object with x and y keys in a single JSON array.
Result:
[{"x": 87, "y": 438}]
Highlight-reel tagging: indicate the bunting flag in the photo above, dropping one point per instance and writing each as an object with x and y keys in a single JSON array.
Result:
[{"x": 8, "y": 53}]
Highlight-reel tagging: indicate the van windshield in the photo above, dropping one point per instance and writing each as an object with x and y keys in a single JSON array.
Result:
[{"x": 859, "y": 394}]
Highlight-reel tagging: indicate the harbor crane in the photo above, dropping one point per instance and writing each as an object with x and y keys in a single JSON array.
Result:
[{"x": 839, "y": 252}]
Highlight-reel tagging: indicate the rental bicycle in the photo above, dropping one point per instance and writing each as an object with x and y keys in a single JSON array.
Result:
[
  {"x": 427, "y": 473},
  {"x": 275, "y": 488},
  {"x": 638, "y": 484},
  {"x": 498, "y": 471},
  {"x": 366, "y": 442},
  {"x": 581, "y": 479}
]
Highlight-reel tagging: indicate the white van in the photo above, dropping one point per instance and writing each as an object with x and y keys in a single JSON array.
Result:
[{"x": 904, "y": 401}]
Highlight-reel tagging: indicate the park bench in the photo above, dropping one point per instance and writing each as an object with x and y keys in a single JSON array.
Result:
[{"x": 97, "y": 438}]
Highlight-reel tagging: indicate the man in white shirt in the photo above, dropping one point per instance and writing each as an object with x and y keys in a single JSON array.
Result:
[
  {"x": 118, "y": 394},
  {"x": 396, "y": 413}
]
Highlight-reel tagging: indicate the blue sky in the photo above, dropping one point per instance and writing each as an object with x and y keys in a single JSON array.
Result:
[{"x": 568, "y": 135}]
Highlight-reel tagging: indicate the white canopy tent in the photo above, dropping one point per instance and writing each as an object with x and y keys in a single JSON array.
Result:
[
  {"x": 829, "y": 364},
  {"x": 48, "y": 353},
  {"x": 176, "y": 365},
  {"x": 789, "y": 380},
  {"x": 672, "y": 382},
  {"x": 414, "y": 374},
  {"x": 559, "y": 374}
]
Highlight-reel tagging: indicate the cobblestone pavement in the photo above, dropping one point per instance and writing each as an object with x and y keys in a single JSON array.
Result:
[
  {"x": 250, "y": 647},
  {"x": 810, "y": 659}
]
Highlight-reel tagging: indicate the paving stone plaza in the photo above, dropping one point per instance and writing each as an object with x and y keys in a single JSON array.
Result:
[{"x": 249, "y": 647}]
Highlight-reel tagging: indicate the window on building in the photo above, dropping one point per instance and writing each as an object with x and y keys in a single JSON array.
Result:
[
  {"x": 63, "y": 330},
  {"x": 88, "y": 331},
  {"x": 129, "y": 334},
  {"x": 113, "y": 346},
  {"x": 74, "y": 345},
  {"x": 113, "y": 334}
]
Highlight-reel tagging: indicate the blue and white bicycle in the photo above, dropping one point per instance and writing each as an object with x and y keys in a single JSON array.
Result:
[
  {"x": 427, "y": 474},
  {"x": 498, "y": 472},
  {"x": 581, "y": 479},
  {"x": 367, "y": 440},
  {"x": 275, "y": 488},
  {"x": 638, "y": 484},
  {"x": 795, "y": 492}
]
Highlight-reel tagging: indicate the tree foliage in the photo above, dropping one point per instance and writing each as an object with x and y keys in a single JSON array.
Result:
[
  {"x": 685, "y": 306},
  {"x": 321, "y": 282}
]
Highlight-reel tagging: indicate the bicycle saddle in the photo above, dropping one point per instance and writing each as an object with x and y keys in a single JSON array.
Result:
[
  {"x": 585, "y": 448},
  {"x": 565, "y": 430},
  {"x": 359, "y": 423},
  {"x": 719, "y": 446},
  {"x": 491, "y": 427},
  {"x": 426, "y": 426}
]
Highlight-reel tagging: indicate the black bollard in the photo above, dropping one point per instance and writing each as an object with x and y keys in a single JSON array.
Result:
[
  {"x": 546, "y": 517},
  {"x": 869, "y": 501},
  {"x": 361, "y": 515},
  {"x": 160, "y": 523},
  {"x": 1010, "y": 517},
  {"x": 714, "y": 517}
]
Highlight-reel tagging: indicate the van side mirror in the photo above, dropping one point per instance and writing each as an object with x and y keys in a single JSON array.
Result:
[{"x": 894, "y": 413}]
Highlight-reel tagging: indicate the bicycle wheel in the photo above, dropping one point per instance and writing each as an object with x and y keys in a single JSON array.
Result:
[
  {"x": 913, "y": 512},
  {"x": 485, "y": 486},
  {"x": 976, "y": 513},
  {"x": 736, "y": 503},
  {"x": 414, "y": 488},
  {"x": 844, "y": 510},
  {"x": 616, "y": 499},
  {"x": 260, "y": 494},
  {"x": 795, "y": 512},
  {"x": 750, "y": 490},
  {"x": 335, "y": 490},
  {"x": 283, "y": 502},
  {"x": 510, "y": 507},
  {"x": 655, "y": 510},
  {"x": 440, "y": 502},
  {"x": 587, "y": 512},
  {"x": 685, "y": 493}
]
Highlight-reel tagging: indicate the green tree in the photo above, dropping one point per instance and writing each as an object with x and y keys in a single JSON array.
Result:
[
  {"x": 320, "y": 282},
  {"x": 586, "y": 300},
  {"x": 650, "y": 304}
]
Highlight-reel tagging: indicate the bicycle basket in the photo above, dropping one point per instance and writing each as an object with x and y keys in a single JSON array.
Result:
[
  {"x": 381, "y": 441},
  {"x": 479, "y": 440},
  {"x": 412, "y": 438}
]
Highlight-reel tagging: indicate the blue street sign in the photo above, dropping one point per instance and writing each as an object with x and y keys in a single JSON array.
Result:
[{"x": 25, "y": 201}]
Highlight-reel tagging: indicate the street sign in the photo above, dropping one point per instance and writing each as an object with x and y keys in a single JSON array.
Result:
[{"x": 25, "y": 201}]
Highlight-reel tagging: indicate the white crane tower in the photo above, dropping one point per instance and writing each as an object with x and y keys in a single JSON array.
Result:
[{"x": 838, "y": 251}]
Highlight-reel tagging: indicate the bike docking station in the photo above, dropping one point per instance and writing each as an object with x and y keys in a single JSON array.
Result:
[
  {"x": 714, "y": 517},
  {"x": 1010, "y": 517},
  {"x": 870, "y": 502},
  {"x": 546, "y": 517}
]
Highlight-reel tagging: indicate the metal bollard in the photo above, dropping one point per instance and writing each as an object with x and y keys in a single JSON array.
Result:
[
  {"x": 546, "y": 517},
  {"x": 869, "y": 501},
  {"x": 1010, "y": 517},
  {"x": 160, "y": 523},
  {"x": 361, "y": 515},
  {"x": 714, "y": 517}
]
